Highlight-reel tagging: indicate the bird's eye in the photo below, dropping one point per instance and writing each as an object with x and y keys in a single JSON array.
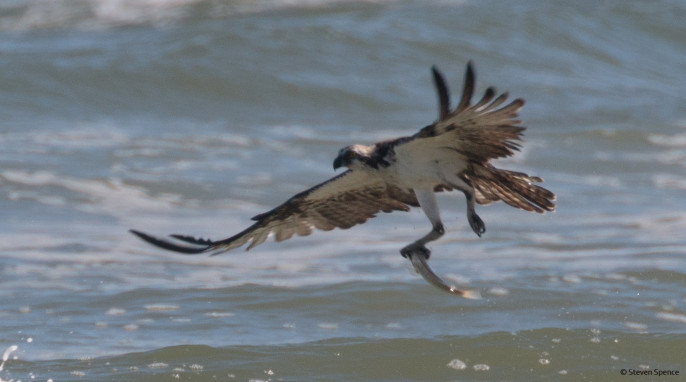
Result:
[{"x": 352, "y": 155}]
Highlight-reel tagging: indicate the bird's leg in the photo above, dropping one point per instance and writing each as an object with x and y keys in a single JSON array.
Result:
[
  {"x": 419, "y": 246},
  {"x": 475, "y": 221},
  {"x": 427, "y": 201}
]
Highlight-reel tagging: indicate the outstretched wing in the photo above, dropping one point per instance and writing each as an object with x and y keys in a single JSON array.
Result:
[
  {"x": 480, "y": 131},
  {"x": 350, "y": 198}
]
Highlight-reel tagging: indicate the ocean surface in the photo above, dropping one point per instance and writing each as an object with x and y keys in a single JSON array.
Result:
[{"x": 191, "y": 116}]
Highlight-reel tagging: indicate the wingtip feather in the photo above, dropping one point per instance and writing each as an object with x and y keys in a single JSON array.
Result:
[
  {"x": 468, "y": 88},
  {"x": 443, "y": 93},
  {"x": 168, "y": 245}
]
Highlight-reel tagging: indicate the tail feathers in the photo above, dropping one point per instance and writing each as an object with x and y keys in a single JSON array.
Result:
[{"x": 514, "y": 188}]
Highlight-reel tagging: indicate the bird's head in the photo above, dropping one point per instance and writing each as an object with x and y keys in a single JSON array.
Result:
[{"x": 353, "y": 156}]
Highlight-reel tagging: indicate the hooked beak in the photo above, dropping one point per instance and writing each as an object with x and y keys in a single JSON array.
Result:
[{"x": 338, "y": 162}]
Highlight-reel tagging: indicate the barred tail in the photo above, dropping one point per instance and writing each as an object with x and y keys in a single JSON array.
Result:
[{"x": 514, "y": 188}]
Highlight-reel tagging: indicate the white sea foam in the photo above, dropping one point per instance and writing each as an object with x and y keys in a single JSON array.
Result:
[
  {"x": 673, "y": 140},
  {"x": 6, "y": 355},
  {"x": 457, "y": 364},
  {"x": 99, "y": 14},
  {"x": 674, "y": 317},
  {"x": 111, "y": 196}
]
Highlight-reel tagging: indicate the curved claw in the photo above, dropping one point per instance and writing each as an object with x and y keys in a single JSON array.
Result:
[
  {"x": 408, "y": 251},
  {"x": 478, "y": 225},
  {"x": 422, "y": 267}
]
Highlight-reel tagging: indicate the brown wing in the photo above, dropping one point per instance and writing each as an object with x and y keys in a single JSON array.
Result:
[
  {"x": 479, "y": 132},
  {"x": 350, "y": 198}
]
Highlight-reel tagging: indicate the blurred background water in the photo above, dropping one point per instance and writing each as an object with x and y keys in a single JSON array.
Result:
[{"x": 191, "y": 116}]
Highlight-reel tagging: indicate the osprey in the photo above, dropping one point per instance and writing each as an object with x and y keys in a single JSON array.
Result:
[{"x": 453, "y": 153}]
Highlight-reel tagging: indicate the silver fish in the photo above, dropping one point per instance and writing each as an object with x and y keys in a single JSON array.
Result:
[{"x": 420, "y": 265}]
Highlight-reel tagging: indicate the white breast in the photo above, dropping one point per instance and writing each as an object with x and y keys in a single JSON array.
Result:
[{"x": 426, "y": 168}]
